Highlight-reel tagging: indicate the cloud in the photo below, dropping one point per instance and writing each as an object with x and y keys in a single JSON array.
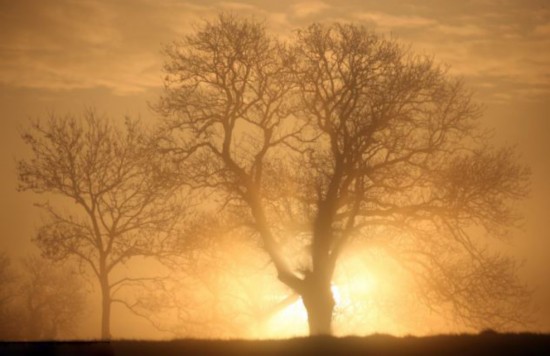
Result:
[
  {"x": 387, "y": 21},
  {"x": 497, "y": 47},
  {"x": 468, "y": 30},
  {"x": 236, "y": 6},
  {"x": 542, "y": 30},
  {"x": 66, "y": 44},
  {"x": 308, "y": 8}
]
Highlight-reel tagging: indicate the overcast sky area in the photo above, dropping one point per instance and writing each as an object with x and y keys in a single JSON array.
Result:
[{"x": 65, "y": 55}]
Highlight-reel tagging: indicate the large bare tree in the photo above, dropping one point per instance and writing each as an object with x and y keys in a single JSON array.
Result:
[
  {"x": 118, "y": 207},
  {"x": 344, "y": 134}
]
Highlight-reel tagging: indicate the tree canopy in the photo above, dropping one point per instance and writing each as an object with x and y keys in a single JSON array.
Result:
[{"x": 343, "y": 134}]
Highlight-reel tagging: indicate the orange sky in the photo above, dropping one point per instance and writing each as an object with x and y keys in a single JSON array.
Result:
[{"x": 64, "y": 55}]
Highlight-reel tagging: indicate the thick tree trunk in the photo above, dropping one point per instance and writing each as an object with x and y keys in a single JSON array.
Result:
[
  {"x": 105, "y": 308},
  {"x": 319, "y": 303},
  {"x": 315, "y": 287}
]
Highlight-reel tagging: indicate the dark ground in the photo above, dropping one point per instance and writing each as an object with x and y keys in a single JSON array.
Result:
[{"x": 488, "y": 343}]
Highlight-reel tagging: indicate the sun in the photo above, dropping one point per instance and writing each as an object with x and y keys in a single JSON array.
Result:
[
  {"x": 292, "y": 320},
  {"x": 297, "y": 311},
  {"x": 356, "y": 288}
]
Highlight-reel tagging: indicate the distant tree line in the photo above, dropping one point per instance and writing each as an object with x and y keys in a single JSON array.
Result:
[{"x": 39, "y": 300}]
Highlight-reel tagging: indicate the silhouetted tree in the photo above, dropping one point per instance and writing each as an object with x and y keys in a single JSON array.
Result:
[
  {"x": 53, "y": 299},
  {"x": 343, "y": 134},
  {"x": 39, "y": 300},
  {"x": 124, "y": 209},
  {"x": 7, "y": 276},
  {"x": 9, "y": 293}
]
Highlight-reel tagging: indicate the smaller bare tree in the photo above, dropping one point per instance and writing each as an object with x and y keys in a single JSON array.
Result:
[{"x": 123, "y": 208}]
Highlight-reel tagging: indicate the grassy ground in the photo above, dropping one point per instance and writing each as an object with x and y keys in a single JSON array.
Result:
[{"x": 445, "y": 345}]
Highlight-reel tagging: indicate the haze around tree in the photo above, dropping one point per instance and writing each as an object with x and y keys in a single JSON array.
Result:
[{"x": 339, "y": 135}]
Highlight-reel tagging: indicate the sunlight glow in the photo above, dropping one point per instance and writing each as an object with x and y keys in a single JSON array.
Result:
[
  {"x": 292, "y": 320},
  {"x": 297, "y": 312}
]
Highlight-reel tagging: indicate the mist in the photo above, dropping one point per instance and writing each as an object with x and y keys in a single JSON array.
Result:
[{"x": 268, "y": 177}]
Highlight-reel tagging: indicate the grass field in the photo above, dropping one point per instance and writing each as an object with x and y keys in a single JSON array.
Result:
[{"x": 482, "y": 344}]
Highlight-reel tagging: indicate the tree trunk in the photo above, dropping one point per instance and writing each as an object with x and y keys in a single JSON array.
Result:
[
  {"x": 319, "y": 303},
  {"x": 105, "y": 308}
]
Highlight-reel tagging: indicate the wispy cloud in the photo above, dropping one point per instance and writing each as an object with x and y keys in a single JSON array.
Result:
[
  {"x": 66, "y": 44},
  {"x": 542, "y": 30},
  {"x": 308, "y": 8},
  {"x": 228, "y": 5},
  {"x": 468, "y": 30},
  {"x": 387, "y": 21},
  {"x": 70, "y": 45}
]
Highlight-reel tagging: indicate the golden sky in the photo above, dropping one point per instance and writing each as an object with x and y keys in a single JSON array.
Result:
[{"x": 64, "y": 55}]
